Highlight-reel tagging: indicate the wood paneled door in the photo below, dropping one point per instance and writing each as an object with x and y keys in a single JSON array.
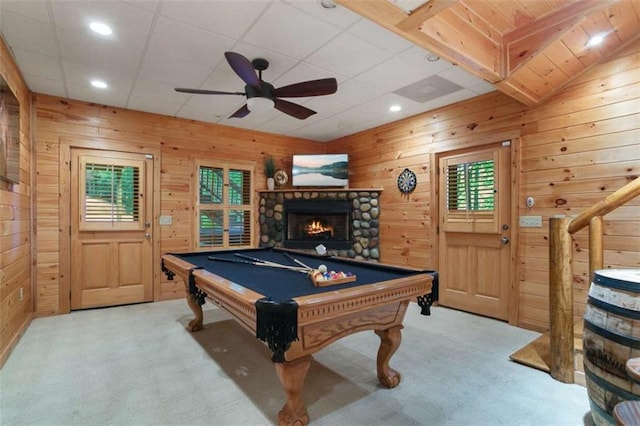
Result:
[
  {"x": 111, "y": 228},
  {"x": 475, "y": 230}
]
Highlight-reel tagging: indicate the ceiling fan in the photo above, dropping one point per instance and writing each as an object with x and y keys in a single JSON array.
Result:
[{"x": 262, "y": 95}]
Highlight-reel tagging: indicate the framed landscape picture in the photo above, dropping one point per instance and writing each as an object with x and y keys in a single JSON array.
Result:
[
  {"x": 320, "y": 170},
  {"x": 9, "y": 134}
]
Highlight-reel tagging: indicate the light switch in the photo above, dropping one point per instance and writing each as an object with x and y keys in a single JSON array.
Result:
[
  {"x": 166, "y": 220},
  {"x": 530, "y": 221}
]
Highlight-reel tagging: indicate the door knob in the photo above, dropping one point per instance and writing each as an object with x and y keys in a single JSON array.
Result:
[
  {"x": 504, "y": 240},
  {"x": 147, "y": 235}
]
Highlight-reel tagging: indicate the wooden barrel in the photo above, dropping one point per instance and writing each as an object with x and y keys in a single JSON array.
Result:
[{"x": 611, "y": 337}]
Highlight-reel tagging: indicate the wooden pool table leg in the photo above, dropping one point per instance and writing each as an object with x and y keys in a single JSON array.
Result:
[
  {"x": 196, "y": 323},
  {"x": 389, "y": 343},
  {"x": 292, "y": 375}
]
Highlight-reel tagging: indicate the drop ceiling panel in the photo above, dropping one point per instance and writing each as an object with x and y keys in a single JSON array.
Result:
[
  {"x": 354, "y": 92},
  {"x": 37, "y": 65},
  {"x": 150, "y": 5},
  {"x": 367, "y": 30},
  {"x": 29, "y": 34},
  {"x": 152, "y": 105},
  {"x": 157, "y": 91},
  {"x": 172, "y": 71},
  {"x": 348, "y": 55},
  {"x": 284, "y": 28},
  {"x": 130, "y": 23},
  {"x": 32, "y": 9},
  {"x": 413, "y": 64},
  {"x": 229, "y": 18},
  {"x": 112, "y": 97},
  {"x": 80, "y": 75},
  {"x": 459, "y": 76},
  {"x": 100, "y": 54},
  {"x": 44, "y": 85},
  {"x": 190, "y": 45},
  {"x": 339, "y": 16}
]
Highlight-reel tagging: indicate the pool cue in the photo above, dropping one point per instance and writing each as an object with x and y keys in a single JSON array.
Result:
[
  {"x": 247, "y": 262},
  {"x": 255, "y": 259},
  {"x": 298, "y": 261}
]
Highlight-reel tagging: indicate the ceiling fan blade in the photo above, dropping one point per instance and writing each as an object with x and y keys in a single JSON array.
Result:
[
  {"x": 205, "y": 92},
  {"x": 242, "y": 112},
  {"x": 325, "y": 86},
  {"x": 294, "y": 110},
  {"x": 243, "y": 67}
]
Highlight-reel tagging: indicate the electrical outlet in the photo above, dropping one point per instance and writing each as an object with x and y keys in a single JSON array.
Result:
[
  {"x": 166, "y": 220},
  {"x": 21, "y": 294},
  {"x": 530, "y": 221}
]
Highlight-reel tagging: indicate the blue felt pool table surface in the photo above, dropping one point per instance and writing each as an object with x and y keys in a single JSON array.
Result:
[{"x": 283, "y": 284}]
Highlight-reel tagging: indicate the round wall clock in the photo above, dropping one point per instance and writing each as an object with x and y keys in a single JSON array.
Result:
[
  {"x": 407, "y": 181},
  {"x": 281, "y": 177}
]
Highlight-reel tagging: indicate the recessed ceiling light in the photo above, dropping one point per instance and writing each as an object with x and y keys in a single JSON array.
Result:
[
  {"x": 596, "y": 40},
  {"x": 99, "y": 84},
  {"x": 100, "y": 28},
  {"x": 395, "y": 108},
  {"x": 433, "y": 58},
  {"x": 327, "y": 4}
]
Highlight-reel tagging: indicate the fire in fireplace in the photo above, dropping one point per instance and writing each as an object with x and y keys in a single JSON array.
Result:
[
  {"x": 319, "y": 228},
  {"x": 318, "y": 221}
]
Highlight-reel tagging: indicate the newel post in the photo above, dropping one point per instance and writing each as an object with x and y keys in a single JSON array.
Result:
[
  {"x": 561, "y": 299},
  {"x": 596, "y": 248}
]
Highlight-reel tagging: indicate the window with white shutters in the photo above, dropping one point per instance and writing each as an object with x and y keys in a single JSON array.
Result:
[
  {"x": 224, "y": 206},
  {"x": 111, "y": 196},
  {"x": 470, "y": 185}
]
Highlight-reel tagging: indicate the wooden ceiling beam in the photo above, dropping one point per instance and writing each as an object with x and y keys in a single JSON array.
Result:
[
  {"x": 576, "y": 10},
  {"x": 424, "y": 13},
  {"x": 523, "y": 43},
  {"x": 385, "y": 14},
  {"x": 479, "y": 36}
]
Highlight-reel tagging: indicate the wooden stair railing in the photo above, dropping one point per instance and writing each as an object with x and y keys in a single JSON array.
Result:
[{"x": 561, "y": 273}]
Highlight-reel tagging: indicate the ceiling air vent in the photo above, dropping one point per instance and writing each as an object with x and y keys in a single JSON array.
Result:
[{"x": 427, "y": 89}]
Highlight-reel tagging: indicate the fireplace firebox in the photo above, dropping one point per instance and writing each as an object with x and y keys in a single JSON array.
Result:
[{"x": 313, "y": 222}]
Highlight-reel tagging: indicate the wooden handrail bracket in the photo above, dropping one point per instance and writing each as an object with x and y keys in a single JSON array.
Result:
[{"x": 607, "y": 205}]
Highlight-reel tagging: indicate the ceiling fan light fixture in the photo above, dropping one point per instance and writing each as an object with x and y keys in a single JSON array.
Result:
[{"x": 260, "y": 105}]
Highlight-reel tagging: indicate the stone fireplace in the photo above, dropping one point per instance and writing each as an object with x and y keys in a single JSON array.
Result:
[
  {"x": 344, "y": 221},
  {"x": 314, "y": 221}
]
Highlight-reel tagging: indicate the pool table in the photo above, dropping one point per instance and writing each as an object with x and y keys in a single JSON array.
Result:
[{"x": 293, "y": 317}]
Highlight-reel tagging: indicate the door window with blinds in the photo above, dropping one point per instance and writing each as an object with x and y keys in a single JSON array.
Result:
[
  {"x": 470, "y": 186},
  {"x": 224, "y": 207},
  {"x": 111, "y": 195}
]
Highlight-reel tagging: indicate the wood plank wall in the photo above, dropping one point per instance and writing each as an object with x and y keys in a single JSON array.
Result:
[
  {"x": 61, "y": 123},
  {"x": 15, "y": 224},
  {"x": 575, "y": 149}
]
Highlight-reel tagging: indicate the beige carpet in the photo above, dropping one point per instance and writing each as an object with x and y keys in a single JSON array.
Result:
[{"x": 137, "y": 365}]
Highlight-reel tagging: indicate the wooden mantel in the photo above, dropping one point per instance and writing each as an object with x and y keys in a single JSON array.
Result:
[
  {"x": 336, "y": 189},
  {"x": 528, "y": 49}
]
